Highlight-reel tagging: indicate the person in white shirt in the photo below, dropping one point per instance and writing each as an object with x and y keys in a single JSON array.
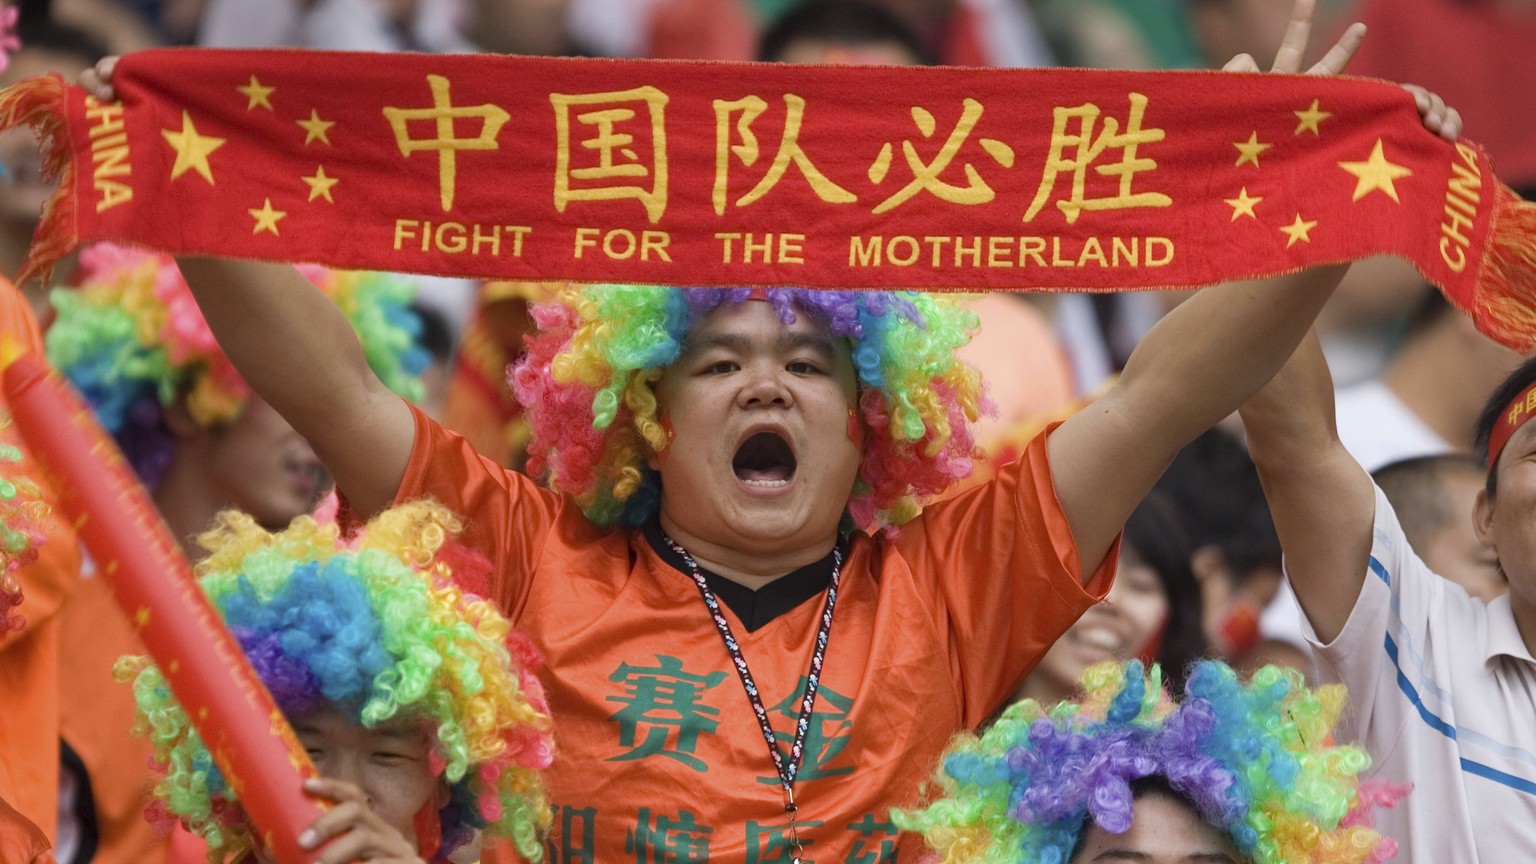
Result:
[{"x": 1442, "y": 684}]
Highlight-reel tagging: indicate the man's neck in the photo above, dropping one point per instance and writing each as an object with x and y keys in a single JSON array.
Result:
[
  {"x": 1525, "y": 620},
  {"x": 749, "y": 569}
]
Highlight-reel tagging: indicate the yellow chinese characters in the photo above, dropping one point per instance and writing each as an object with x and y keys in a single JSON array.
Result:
[
  {"x": 611, "y": 164},
  {"x": 925, "y": 175},
  {"x": 1088, "y": 148},
  {"x": 446, "y": 142},
  {"x": 747, "y": 110}
]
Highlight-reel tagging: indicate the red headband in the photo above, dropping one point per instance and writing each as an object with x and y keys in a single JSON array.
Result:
[{"x": 1515, "y": 414}]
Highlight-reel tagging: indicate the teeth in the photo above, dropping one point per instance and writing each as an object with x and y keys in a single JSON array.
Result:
[
  {"x": 1097, "y": 637},
  {"x": 766, "y": 484}
]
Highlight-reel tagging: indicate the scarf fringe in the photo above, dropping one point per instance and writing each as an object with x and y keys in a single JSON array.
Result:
[
  {"x": 40, "y": 104},
  {"x": 1506, "y": 286}
]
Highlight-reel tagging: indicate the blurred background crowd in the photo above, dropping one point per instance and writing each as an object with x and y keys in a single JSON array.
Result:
[{"x": 1201, "y": 568}]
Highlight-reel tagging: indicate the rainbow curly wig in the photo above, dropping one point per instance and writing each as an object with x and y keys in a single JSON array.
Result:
[
  {"x": 380, "y": 625},
  {"x": 588, "y": 375},
  {"x": 1254, "y": 761},
  {"x": 22, "y": 512},
  {"x": 132, "y": 341}
]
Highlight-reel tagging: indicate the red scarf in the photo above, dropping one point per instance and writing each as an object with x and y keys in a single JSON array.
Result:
[{"x": 698, "y": 173}]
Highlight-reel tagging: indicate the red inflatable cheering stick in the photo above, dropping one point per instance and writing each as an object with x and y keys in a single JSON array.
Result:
[{"x": 249, "y": 738}]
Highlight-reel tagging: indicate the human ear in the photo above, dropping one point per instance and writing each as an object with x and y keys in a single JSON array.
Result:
[{"x": 1482, "y": 518}]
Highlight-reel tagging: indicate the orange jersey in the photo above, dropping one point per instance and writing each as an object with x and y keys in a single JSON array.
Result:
[
  {"x": 29, "y": 658},
  {"x": 21, "y": 842},
  {"x": 660, "y": 757},
  {"x": 97, "y": 723}
]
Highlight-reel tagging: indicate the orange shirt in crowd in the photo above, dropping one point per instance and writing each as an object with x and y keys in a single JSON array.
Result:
[
  {"x": 96, "y": 721},
  {"x": 659, "y": 754},
  {"x": 29, "y": 658}
]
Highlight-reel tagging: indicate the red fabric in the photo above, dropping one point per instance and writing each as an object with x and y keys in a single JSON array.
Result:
[
  {"x": 931, "y": 178},
  {"x": 932, "y": 632},
  {"x": 1517, "y": 412},
  {"x": 1476, "y": 54}
]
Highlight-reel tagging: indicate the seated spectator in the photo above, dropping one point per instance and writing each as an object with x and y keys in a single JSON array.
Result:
[
  {"x": 1427, "y": 400},
  {"x": 1229, "y": 773},
  {"x": 1236, "y": 554},
  {"x": 1152, "y": 613},
  {"x": 408, "y": 689},
  {"x": 1434, "y": 498}
]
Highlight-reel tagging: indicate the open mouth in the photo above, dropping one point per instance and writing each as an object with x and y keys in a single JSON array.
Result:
[{"x": 764, "y": 460}]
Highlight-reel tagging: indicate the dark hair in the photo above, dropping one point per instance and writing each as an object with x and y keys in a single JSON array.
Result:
[
  {"x": 852, "y": 22},
  {"x": 1150, "y": 786},
  {"x": 40, "y": 33},
  {"x": 1494, "y": 408},
  {"x": 435, "y": 336},
  {"x": 1157, "y": 533},
  {"x": 1216, "y": 488},
  {"x": 1416, "y": 489}
]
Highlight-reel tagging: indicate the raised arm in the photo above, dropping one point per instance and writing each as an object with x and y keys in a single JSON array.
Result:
[
  {"x": 1202, "y": 361},
  {"x": 1322, "y": 500},
  {"x": 299, "y": 353}
]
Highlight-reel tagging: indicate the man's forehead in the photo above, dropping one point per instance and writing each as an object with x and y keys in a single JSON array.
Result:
[{"x": 756, "y": 319}]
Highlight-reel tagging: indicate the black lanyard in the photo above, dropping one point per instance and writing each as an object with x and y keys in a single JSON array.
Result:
[{"x": 787, "y": 771}]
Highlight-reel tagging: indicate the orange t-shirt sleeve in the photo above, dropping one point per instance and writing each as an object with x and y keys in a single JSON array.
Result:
[
  {"x": 20, "y": 840},
  {"x": 1005, "y": 569},
  {"x": 507, "y": 517}
]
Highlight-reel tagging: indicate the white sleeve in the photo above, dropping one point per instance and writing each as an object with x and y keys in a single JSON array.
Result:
[{"x": 1394, "y": 640}]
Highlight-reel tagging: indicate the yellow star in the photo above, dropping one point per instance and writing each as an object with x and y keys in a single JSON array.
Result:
[
  {"x": 1310, "y": 118},
  {"x": 256, "y": 94},
  {"x": 315, "y": 128},
  {"x": 1298, "y": 230},
  {"x": 1243, "y": 204},
  {"x": 1249, "y": 150},
  {"x": 320, "y": 185},
  {"x": 266, "y": 218},
  {"x": 192, "y": 149},
  {"x": 141, "y": 617},
  {"x": 1376, "y": 173}
]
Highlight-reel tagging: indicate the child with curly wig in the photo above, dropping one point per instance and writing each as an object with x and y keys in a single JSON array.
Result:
[
  {"x": 1231, "y": 773},
  {"x": 410, "y": 691},
  {"x": 130, "y": 337},
  {"x": 759, "y": 636}
]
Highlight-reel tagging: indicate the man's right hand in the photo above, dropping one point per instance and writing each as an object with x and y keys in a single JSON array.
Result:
[{"x": 97, "y": 80}]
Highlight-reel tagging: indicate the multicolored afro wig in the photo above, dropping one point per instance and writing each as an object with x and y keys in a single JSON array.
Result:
[
  {"x": 385, "y": 624},
  {"x": 22, "y": 512},
  {"x": 587, "y": 384},
  {"x": 1256, "y": 761},
  {"x": 131, "y": 339}
]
